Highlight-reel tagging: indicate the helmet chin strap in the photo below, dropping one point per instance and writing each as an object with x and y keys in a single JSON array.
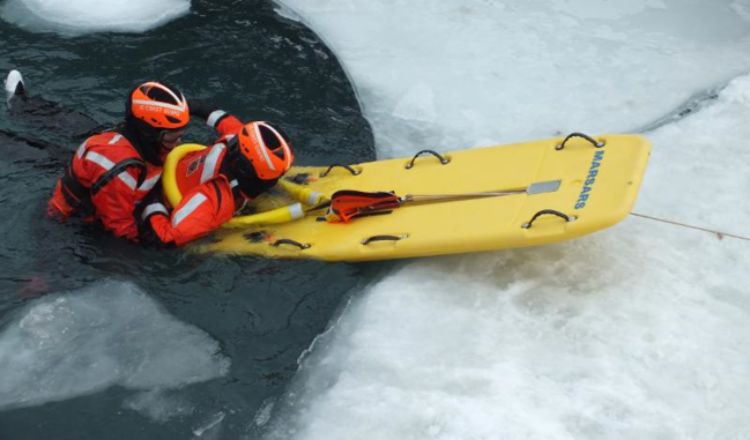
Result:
[
  {"x": 255, "y": 187},
  {"x": 251, "y": 186}
]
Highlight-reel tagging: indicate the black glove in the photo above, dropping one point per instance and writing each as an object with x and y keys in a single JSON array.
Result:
[
  {"x": 201, "y": 108},
  {"x": 151, "y": 205}
]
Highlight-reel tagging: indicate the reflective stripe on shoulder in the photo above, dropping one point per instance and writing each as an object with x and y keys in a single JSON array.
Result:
[
  {"x": 81, "y": 149},
  {"x": 214, "y": 117},
  {"x": 107, "y": 164},
  {"x": 188, "y": 208},
  {"x": 212, "y": 160},
  {"x": 100, "y": 160}
]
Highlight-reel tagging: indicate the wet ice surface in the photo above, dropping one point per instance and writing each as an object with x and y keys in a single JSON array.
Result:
[
  {"x": 456, "y": 74},
  {"x": 698, "y": 167},
  {"x": 637, "y": 332}
]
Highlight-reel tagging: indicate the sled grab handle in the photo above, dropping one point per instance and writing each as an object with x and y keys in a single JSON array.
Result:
[
  {"x": 594, "y": 142},
  {"x": 296, "y": 243},
  {"x": 530, "y": 223},
  {"x": 374, "y": 238},
  {"x": 443, "y": 160},
  {"x": 338, "y": 165}
]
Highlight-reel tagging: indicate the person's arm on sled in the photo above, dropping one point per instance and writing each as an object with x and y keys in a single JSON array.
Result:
[
  {"x": 248, "y": 164},
  {"x": 222, "y": 122},
  {"x": 202, "y": 210}
]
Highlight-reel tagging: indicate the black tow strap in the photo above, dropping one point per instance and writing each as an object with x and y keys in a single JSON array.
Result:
[
  {"x": 79, "y": 197},
  {"x": 120, "y": 167}
]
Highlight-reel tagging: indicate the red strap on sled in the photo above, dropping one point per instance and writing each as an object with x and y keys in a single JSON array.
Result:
[{"x": 347, "y": 204}]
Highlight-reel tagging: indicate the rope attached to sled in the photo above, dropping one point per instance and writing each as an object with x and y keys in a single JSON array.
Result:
[{"x": 719, "y": 234}]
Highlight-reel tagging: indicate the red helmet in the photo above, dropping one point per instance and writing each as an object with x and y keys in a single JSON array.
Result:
[
  {"x": 159, "y": 106},
  {"x": 266, "y": 149}
]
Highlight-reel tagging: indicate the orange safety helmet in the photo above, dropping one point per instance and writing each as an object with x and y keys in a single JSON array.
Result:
[
  {"x": 159, "y": 106},
  {"x": 265, "y": 149}
]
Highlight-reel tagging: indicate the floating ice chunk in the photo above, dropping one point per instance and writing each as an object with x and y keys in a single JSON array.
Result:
[
  {"x": 159, "y": 405},
  {"x": 82, "y": 16},
  {"x": 209, "y": 423},
  {"x": 72, "y": 344}
]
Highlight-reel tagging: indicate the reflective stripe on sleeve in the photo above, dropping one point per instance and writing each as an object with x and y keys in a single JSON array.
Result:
[
  {"x": 149, "y": 183},
  {"x": 154, "y": 208},
  {"x": 212, "y": 159},
  {"x": 214, "y": 117},
  {"x": 115, "y": 139},
  {"x": 81, "y": 149},
  {"x": 188, "y": 208}
]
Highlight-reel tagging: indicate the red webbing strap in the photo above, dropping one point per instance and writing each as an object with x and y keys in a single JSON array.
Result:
[{"x": 348, "y": 204}]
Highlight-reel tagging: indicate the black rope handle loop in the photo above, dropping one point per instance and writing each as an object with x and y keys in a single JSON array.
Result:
[
  {"x": 530, "y": 223},
  {"x": 346, "y": 167},
  {"x": 443, "y": 160},
  {"x": 281, "y": 241},
  {"x": 594, "y": 142},
  {"x": 369, "y": 240}
]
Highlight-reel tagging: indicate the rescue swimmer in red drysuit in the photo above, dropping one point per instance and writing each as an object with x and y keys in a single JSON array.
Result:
[
  {"x": 215, "y": 183},
  {"x": 112, "y": 172}
]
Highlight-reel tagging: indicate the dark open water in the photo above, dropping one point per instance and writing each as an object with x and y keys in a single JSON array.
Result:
[{"x": 264, "y": 314}]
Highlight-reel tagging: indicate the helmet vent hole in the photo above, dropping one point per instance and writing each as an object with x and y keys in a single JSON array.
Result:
[
  {"x": 172, "y": 119},
  {"x": 159, "y": 94},
  {"x": 269, "y": 138}
]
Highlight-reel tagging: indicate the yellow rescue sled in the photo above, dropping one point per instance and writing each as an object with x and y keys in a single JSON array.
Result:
[{"x": 480, "y": 199}]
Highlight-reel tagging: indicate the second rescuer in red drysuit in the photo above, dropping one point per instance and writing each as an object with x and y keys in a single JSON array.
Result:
[
  {"x": 112, "y": 172},
  {"x": 246, "y": 161}
]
